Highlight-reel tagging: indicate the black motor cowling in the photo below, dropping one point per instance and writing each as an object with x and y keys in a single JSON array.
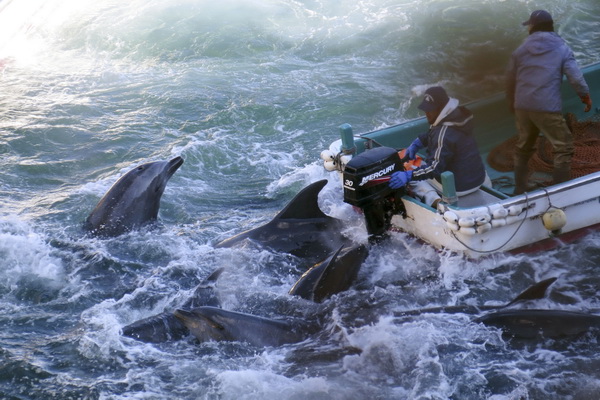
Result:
[{"x": 366, "y": 187}]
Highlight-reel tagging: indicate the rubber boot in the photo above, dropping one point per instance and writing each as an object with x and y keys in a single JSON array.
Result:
[
  {"x": 521, "y": 176},
  {"x": 561, "y": 173}
]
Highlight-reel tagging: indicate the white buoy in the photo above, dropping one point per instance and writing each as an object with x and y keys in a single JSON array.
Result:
[
  {"x": 466, "y": 222},
  {"x": 482, "y": 219},
  {"x": 514, "y": 210},
  {"x": 554, "y": 219},
  {"x": 451, "y": 217},
  {"x": 452, "y": 225},
  {"x": 511, "y": 219},
  {"x": 498, "y": 222},
  {"x": 329, "y": 165},
  {"x": 327, "y": 155},
  {"x": 500, "y": 213},
  {"x": 484, "y": 227},
  {"x": 468, "y": 231}
]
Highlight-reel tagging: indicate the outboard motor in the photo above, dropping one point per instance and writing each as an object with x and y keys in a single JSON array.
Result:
[{"x": 366, "y": 179}]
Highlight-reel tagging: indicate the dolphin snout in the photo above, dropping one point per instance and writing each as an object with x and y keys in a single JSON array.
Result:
[{"x": 174, "y": 164}]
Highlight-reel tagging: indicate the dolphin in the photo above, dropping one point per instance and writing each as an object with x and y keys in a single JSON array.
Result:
[
  {"x": 216, "y": 324},
  {"x": 334, "y": 275},
  {"x": 534, "y": 292},
  {"x": 531, "y": 324},
  {"x": 165, "y": 326},
  {"x": 300, "y": 229},
  {"x": 133, "y": 200},
  {"x": 524, "y": 323}
]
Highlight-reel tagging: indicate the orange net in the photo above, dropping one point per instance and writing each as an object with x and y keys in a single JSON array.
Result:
[{"x": 586, "y": 159}]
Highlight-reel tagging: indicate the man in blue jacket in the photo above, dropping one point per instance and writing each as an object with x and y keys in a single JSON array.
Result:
[
  {"x": 533, "y": 81},
  {"x": 450, "y": 147}
]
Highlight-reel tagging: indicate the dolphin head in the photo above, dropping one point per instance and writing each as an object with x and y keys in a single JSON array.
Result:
[
  {"x": 133, "y": 200},
  {"x": 148, "y": 181}
]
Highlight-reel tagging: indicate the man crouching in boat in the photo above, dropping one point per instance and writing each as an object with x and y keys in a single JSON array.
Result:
[{"x": 450, "y": 147}]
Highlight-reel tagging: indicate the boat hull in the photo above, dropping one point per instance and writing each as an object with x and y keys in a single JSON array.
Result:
[{"x": 579, "y": 199}]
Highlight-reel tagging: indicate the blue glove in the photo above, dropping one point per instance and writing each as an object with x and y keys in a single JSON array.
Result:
[
  {"x": 415, "y": 146},
  {"x": 400, "y": 178}
]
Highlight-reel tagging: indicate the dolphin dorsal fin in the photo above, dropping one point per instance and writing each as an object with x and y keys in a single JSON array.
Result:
[
  {"x": 305, "y": 205},
  {"x": 331, "y": 262},
  {"x": 212, "y": 278},
  {"x": 534, "y": 292}
]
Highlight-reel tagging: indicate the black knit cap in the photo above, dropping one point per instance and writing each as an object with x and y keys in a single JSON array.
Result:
[{"x": 435, "y": 99}]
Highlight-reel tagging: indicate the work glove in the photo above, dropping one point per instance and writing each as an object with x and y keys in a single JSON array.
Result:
[
  {"x": 400, "y": 178},
  {"x": 587, "y": 100},
  {"x": 415, "y": 146}
]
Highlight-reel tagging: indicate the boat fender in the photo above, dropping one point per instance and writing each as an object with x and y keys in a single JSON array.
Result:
[
  {"x": 498, "y": 222},
  {"x": 484, "y": 227},
  {"x": 511, "y": 219},
  {"x": 451, "y": 217},
  {"x": 514, "y": 210},
  {"x": 468, "y": 231},
  {"x": 327, "y": 155},
  {"x": 498, "y": 212},
  {"x": 452, "y": 225},
  {"x": 466, "y": 222},
  {"x": 554, "y": 219},
  {"x": 482, "y": 219},
  {"x": 329, "y": 165}
]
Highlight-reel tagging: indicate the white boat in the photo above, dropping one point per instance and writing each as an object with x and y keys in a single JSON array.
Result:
[{"x": 487, "y": 221}]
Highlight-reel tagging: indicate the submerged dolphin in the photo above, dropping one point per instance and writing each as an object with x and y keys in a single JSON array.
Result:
[
  {"x": 524, "y": 323},
  {"x": 534, "y": 292},
  {"x": 216, "y": 324},
  {"x": 531, "y": 324},
  {"x": 300, "y": 229},
  {"x": 165, "y": 326},
  {"x": 331, "y": 276},
  {"x": 133, "y": 200}
]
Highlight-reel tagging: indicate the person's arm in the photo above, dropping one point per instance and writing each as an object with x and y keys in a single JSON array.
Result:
[
  {"x": 437, "y": 162},
  {"x": 576, "y": 79}
]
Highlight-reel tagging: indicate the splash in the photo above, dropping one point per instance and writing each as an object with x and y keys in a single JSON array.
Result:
[{"x": 25, "y": 254}]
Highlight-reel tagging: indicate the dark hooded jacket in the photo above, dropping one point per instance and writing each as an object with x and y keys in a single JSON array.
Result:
[
  {"x": 536, "y": 70},
  {"x": 451, "y": 147}
]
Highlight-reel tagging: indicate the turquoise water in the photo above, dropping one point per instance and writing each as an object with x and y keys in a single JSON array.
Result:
[{"x": 249, "y": 93}]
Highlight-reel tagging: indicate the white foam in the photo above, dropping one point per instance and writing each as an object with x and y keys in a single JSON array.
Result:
[{"x": 24, "y": 252}]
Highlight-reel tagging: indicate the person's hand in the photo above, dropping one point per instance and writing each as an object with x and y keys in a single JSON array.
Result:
[
  {"x": 587, "y": 100},
  {"x": 415, "y": 146},
  {"x": 400, "y": 178}
]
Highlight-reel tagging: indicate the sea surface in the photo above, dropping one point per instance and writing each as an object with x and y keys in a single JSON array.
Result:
[{"x": 249, "y": 93}]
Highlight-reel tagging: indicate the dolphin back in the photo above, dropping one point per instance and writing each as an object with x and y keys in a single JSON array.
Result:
[
  {"x": 332, "y": 276},
  {"x": 531, "y": 324},
  {"x": 300, "y": 229},
  {"x": 216, "y": 324},
  {"x": 165, "y": 326}
]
